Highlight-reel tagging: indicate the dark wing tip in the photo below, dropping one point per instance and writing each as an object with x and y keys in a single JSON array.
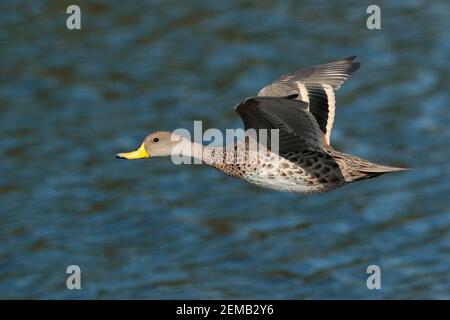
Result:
[
  {"x": 246, "y": 103},
  {"x": 353, "y": 65}
]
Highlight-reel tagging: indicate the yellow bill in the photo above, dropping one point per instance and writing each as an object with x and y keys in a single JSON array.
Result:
[{"x": 138, "y": 154}]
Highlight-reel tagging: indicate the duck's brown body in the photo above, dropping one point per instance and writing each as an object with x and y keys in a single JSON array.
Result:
[{"x": 307, "y": 171}]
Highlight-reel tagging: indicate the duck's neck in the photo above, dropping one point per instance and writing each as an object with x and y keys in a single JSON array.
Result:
[{"x": 201, "y": 154}]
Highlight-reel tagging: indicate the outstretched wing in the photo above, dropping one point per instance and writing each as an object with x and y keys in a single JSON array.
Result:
[
  {"x": 315, "y": 85},
  {"x": 298, "y": 129}
]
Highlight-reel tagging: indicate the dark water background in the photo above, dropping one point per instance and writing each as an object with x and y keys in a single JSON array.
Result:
[{"x": 70, "y": 100}]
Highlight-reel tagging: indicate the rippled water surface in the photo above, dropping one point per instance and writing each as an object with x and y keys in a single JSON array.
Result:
[{"x": 70, "y": 100}]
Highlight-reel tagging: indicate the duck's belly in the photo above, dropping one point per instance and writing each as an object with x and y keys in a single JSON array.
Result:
[{"x": 280, "y": 183}]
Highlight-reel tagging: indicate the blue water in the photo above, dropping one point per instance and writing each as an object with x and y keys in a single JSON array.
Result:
[{"x": 70, "y": 100}]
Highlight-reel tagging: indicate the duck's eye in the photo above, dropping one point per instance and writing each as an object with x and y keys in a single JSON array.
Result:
[{"x": 155, "y": 139}]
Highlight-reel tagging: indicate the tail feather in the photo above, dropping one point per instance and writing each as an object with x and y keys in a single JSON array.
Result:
[
  {"x": 374, "y": 170},
  {"x": 354, "y": 168}
]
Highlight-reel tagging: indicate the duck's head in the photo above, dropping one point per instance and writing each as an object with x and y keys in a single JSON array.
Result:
[{"x": 157, "y": 144}]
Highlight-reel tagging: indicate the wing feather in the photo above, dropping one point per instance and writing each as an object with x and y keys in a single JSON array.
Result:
[
  {"x": 298, "y": 129},
  {"x": 315, "y": 85}
]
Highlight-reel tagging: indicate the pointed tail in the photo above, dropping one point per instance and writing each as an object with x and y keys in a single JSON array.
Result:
[{"x": 371, "y": 170}]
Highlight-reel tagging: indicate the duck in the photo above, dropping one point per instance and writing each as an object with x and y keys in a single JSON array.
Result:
[{"x": 296, "y": 112}]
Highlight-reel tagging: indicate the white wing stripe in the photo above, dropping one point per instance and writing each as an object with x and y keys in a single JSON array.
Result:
[
  {"x": 331, "y": 109},
  {"x": 303, "y": 91}
]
